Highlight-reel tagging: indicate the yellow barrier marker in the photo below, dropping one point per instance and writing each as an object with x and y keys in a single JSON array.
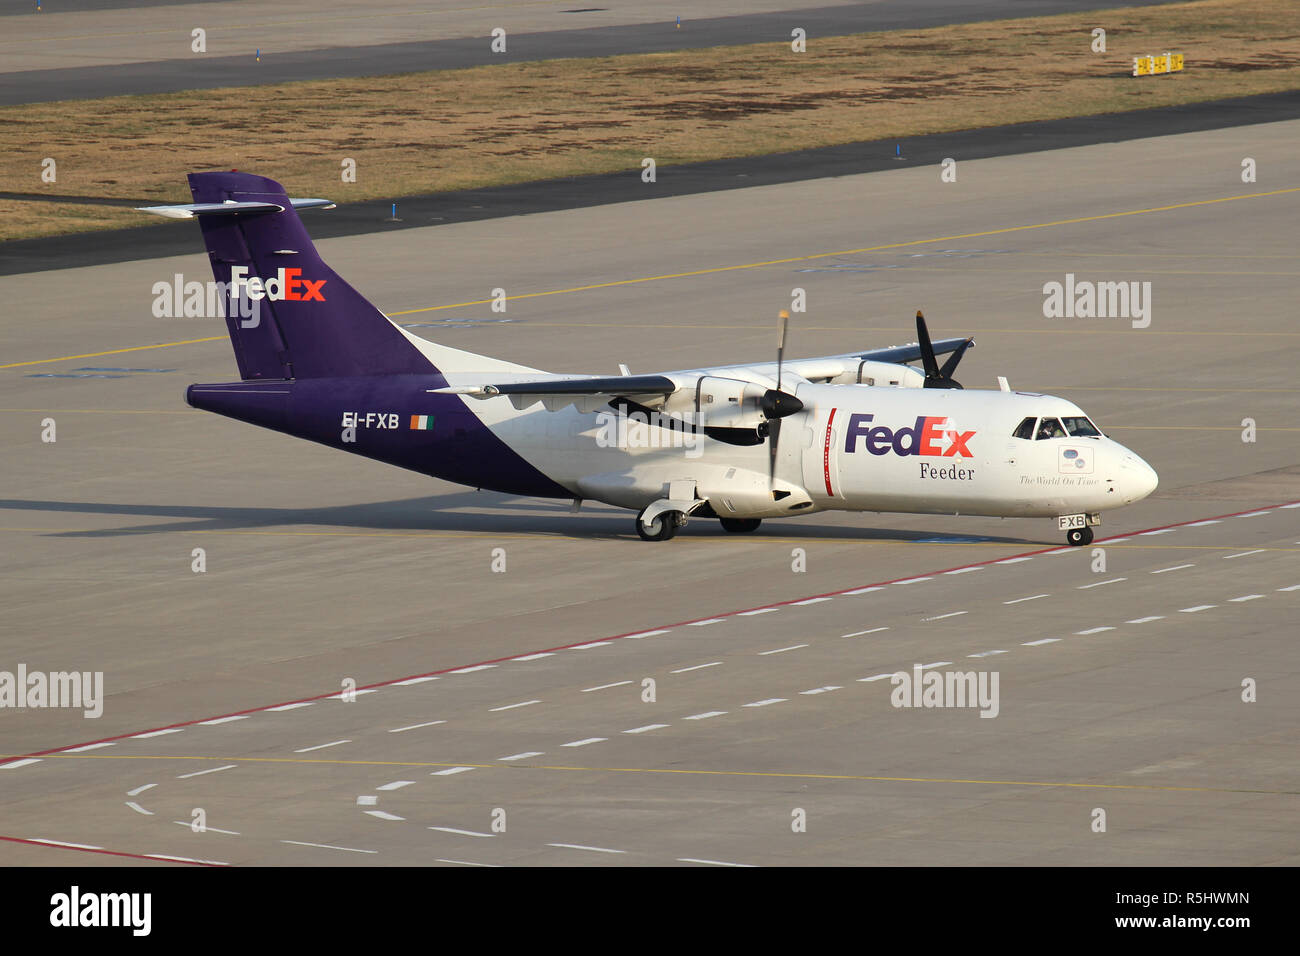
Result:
[
  {"x": 1141, "y": 66},
  {"x": 1160, "y": 64},
  {"x": 1175, "y": 62}
]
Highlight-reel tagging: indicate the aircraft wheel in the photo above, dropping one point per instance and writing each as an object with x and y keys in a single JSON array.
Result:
[
  {"x": 740, "y": 525},
  {"x": 661, "y": 528},
  {"x": 1079, "y": 537}
]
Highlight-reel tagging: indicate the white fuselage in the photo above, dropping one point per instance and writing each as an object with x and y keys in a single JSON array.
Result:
[{"x": 852, "y": 447}]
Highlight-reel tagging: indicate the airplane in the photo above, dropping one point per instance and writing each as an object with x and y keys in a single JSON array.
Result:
[{"x": 859, "y": 431}]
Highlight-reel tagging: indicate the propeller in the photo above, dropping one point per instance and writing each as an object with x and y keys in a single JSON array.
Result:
[
  {"x": 936, "y": 377},
  {"x": 776, "y": 404}
]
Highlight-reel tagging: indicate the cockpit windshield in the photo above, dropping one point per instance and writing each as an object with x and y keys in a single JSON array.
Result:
[
  {"x": 1050, "y": 428},
  {"x": 1080, "y": 427}
]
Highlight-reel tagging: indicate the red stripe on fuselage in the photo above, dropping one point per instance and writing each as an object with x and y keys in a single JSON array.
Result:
[{"x": 826, "y": 453}]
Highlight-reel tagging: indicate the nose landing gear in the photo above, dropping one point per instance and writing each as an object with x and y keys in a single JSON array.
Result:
[{"x": 1078, "y": 537}]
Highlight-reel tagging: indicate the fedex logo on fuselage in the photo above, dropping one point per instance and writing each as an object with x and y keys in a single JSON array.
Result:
[
  {"x": 284, "y": 285},
  {"x": 930, "y": 436}
]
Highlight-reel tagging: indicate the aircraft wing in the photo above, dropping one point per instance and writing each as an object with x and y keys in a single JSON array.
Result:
[{"x": 588, "y": 393}]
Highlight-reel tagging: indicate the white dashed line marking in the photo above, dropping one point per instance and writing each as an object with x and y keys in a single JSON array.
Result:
[
  {"x": 333, "y": 743},
  {"x": 1176, "y": 567},
  {"x": 1255, "y": 514},
  {"x": 820, "y": 690},
  {"x": 764, "y": 703},
  {"x": 326, "y": 846},
  {"x": 1146, "y": 620},
  {"x": 524, "y": 756},
  {"x": 940, "y": 617},
  {"x": 696, "y": 667},
  {"x": 182, "y": 859},
  {"x": 645, "y": 729},
  {"x": 1059, "y": 551},
  {"x": 139, "y": 790},
  {"x": 1242, "y": 554},
  {"x": 77, "y": 750},
  {"x": 383, "y": 815},
  {"x": 577, "y": 846},
  {"x": 301, "y": 703},
  {"x": 473, "y": 833},
  {"x": 1294, "y": 587},
  {"x": 450, "y": 771},
  {"x": 367, "y": 800},
  {"x": 1245, "y": 597},
  {"x": 584, "y": 742},
  {"x": 926, "y": 667},
  {"x": 987, "y": 653},
  {"x": 467, "y": 863},
  {"x": 75, "y": 846},
  {"x": 223, "y": 720},
  {"x": 782, "y": 650},
  {"x": 1143, "y": 534},
  {"x": 200, "y": 773},
  {"x": 206, "y": 829},
  {"x": 691, "y": 859},
  {"x": 348, "y": 695},
  {"x": 873, "y": 587},
  {"x": 860, "y": 633},
  {"x": 963, "y": 570},
  {"x": 1198, "y": 607},
  {"x": 158, "y": 733},
  {"x": 914, "y": 580},
  {"x": 1032, "y": 597},
  {"x": 395, "y": 785},
  {"x": 410, "y": 681},
  {"x": 583, "y": 647},
  {"x": 1294, "y": 504},
  {"x": 761, "y": 610},
  {"x": 712, "y": 620},
  {"x": 1013, "y": 560},
  {"x": 1084, "y": 587},
  {"x": 621, "y": 683},
  {"x": 139, "y": 809},
  {"x": 431, "y": 723},
  {"x": 471, "y": 670},
  {"x": 816, "y": 600},
  {"x": 533, "y": 657},
  {"x": 1202, "y": 524},
  {"x": 637, "y": 637},
  {"x": 706, "y": 715},
  {"x": 522, "y": 703},
  {"x": 1093, "y": 630},
  {"x": 1112, "y": 540},
  {"x": 1046, "y": 640},
  {"x": 868, "y": 680}
]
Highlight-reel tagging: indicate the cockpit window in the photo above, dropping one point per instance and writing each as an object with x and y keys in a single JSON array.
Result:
[
  {"x": 1050, "y": 428},
  {"x": 1025, "y": 429},
  {"x": 1081, "y": 428}
]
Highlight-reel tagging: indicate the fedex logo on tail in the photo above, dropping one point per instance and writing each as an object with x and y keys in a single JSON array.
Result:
[
  {"x": 931, "y": 436},
  {"x": 285, "y": 285}
]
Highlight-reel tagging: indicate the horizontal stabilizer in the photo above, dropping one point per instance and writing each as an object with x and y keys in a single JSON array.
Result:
[{"x": 230, "y": 208}]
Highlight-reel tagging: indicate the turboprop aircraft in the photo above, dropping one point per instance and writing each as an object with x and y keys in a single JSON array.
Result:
[{"x": 860, "y": 431}]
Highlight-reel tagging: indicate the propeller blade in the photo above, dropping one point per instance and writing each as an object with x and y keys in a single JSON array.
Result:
[
  {"x": 782, "y": 328},
  {"x": 927, "y": 349},
  {"x": 950, "y": 366},
  {"x": 773, "y": 436}
]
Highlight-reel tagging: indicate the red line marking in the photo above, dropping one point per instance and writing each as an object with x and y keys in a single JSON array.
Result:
[
  {"x": 83, "y": 849},
  {"x": 642, "y": 630},
  {"x": 826, "y": 453}
]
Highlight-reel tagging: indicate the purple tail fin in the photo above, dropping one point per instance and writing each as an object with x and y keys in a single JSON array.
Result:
[{"x": 308, "y": 323}]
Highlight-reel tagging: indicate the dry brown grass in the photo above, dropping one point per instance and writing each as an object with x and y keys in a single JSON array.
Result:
[{"x": 427, "y": 132}]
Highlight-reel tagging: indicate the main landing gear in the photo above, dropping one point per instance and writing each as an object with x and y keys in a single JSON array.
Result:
[
  {"x": 740, "y": 525},
  {"x": 661, "y": 527},
  {"x": 1078, "y": 537}
]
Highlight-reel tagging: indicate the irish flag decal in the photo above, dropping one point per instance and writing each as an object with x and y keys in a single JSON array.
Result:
[{"x": 422, "y": 423}]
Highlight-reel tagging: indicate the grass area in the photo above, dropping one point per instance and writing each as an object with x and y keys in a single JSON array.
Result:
[{"x": 426, "y": 132}]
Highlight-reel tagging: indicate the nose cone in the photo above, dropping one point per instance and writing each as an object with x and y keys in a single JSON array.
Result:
[{"x": 1137, "y": 478}]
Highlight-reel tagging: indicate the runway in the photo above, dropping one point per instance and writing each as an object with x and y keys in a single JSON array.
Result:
[
  {"x": 525, "y": 692},
  {"x": 118, "y": 48}
]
